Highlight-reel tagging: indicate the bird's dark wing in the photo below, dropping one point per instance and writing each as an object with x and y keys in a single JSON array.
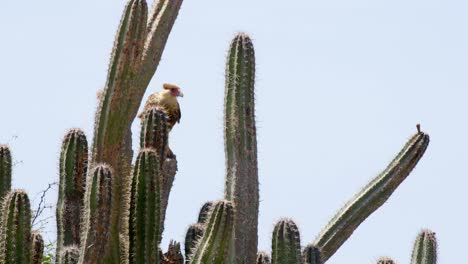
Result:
[{"x": 178, "y": 114}]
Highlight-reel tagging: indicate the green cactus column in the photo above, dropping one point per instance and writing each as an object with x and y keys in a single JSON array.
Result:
[
  {"x": 5, "y": 170},
  {"x": 95, "y": 237},
  {"x": 371, "y": 197},
  {"x": 145, "y": 213},
  {"x": 73, "y": 171},
  {"x": 312, "y": 255},
  {"x": 286, "y": 243},
  {"x": 425, "y": 248},
  {"x": 215, "y": 246},
  {"x": 15, "y": 229},
  {"x": 37, "y": 248},
  {"x": 241, "y": 146}
]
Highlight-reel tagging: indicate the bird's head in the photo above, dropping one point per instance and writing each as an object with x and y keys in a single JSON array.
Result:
[{"x": 174, "y": 90}]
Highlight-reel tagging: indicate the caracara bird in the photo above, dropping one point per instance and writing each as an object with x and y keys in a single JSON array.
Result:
[{"x": 167, "y": 100}]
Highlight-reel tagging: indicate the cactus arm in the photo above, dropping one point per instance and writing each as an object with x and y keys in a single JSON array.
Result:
[
  {"x": 37, "y": 248},
  {"x": 425, "y": 248},
  {"x": 5, "y": 170},
  {"x": 15, "y": 228},
  {"x": 97, "y": 218},
  {"x": 73, "y": 171},
  {"x": 145, "y": 214},
  {"x": 241, "y": 146},
  {"x": 161, "y": 21},
  {"x": 215, "y": 245},
  {"x": 286, "y": 244},
  {"x": 372, "y": 196},
  {"x": 112, "y": 121},
  {"x": 312, "y": 255}
]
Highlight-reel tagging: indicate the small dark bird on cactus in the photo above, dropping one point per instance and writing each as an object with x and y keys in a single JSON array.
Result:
[{"x": 166, "y": 99}]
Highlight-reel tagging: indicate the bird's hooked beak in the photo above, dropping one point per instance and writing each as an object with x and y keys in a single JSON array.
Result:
[{"x": 180, "y": 94}]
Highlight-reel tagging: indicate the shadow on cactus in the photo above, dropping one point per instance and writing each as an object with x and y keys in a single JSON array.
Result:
[{"x": 112, "y": 211}]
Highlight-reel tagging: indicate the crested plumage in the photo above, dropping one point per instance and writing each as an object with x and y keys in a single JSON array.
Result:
[{"x": 166, "y": 99}]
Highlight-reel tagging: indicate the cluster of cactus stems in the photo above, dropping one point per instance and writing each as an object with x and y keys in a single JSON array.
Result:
[{"x": 110, "y": 211}]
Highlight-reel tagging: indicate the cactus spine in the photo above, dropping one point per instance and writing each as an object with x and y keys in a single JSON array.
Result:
[
  {"x": 215, "y": 245},
  {"x": 15, "y": 229},
  {"x": 371, "y": 196},
  {"x": 145, "y": 213},
  {"x": 385, "y": 260},
  {"x": 312, "y": 255},
  {"x": 286, "y": 243},
  {"x": 425, "y": 248},
  {"x": 73, "y": 171},
  {"x": 263, "y": 258},
  {"x": 37, "y": 248},
  {"x": 97, "y": 218},
  {"x": 241, "y": 146},
  {"x": 70, "y": 255},
  {"x": 5, "y": 170}
]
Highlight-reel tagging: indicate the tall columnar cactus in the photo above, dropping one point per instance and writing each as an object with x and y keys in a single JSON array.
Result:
[
  {"x": 138, "y": 47},
  {"x": 37, "y": 247},
  {"x": 241, "y": 146},
  {"x": 425, "y": 248},
  {"x": 215, "y": 247},
  {"x": 263, "y": 258},
  {"x": 145, "y": 213},
  {"x": 371, "y": 197},
  {"x": 95, "y": 237},
  {"x": 385, "y": 260},
  {"x": 15, "y": 229},
  {"x": 70, "y": 255},
  {"x": 312, "y": 255},
  {"x": 73, "y": 171},
  {"x": 5, "y": 170},
  {"x": 286, "y": 243}
]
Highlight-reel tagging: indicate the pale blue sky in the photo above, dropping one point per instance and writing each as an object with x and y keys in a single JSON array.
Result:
[{"x": 340, "y": 87}]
